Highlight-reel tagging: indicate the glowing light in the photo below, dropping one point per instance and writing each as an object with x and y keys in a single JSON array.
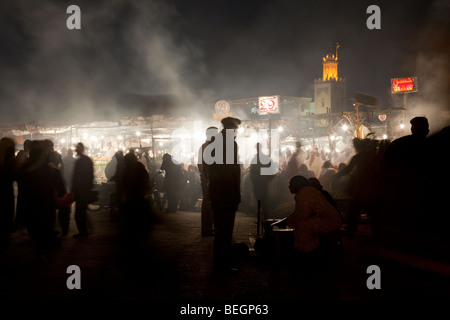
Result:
[
  {"x": 241, "y": 130},
  {"x": 280, "y": 129},
  {"x": 63, "y": 140},
  {"x": 384, "y": 136},
  {"x": 402, "y": 126},
  {"x": 345, "y": 127},
  {"x": 120, "y": 137},
  {"x": 138, "y": 133},
  {"x": 333, "y": 138}
]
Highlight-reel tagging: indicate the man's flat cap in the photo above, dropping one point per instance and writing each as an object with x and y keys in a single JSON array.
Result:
[{"x": 230, "y": 123}]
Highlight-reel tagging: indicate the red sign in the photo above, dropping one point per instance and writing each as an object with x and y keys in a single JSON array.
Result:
[
  {"x": 382, "y": 117},
  {"x": 269, "y": 105},
  {"x": 404, "y": 85}
]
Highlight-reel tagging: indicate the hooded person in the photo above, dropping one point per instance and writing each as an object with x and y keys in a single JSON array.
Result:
[{"x": 313, "y": 215}]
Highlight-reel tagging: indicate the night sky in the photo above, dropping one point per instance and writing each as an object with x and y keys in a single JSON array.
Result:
[{"x": 206, "y": 50}]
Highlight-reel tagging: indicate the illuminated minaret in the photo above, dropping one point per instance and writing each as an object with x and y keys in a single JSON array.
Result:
[
  {"x": 330, "y": 65},
  {"x": 330, "y": 89}
]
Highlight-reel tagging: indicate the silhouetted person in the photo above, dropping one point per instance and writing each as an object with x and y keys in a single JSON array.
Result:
[
  {"x": 38, "y": 183},
  {"x": 403, "y": 155},
  {"x": 116, "y": 166},
  {"x": 405, "y": 184},
  {"x": 173, "y": 182},
  {"x": 260, "y": 180},
  {"x": 55, "y": 161},
  {"x": 7, "y": 177},
  {"x": 207, "y": 223},
  {"x": 225, "y": 192},
  {"x": 82, "y": 183},
  {"x": 438, "y": 190},
  {"x": 21, "y": 158}
]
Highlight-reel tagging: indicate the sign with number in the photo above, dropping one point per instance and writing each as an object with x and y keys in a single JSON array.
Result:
[
  {"x": 269, "y": 105},
  {"x": 222, "y": 107}
]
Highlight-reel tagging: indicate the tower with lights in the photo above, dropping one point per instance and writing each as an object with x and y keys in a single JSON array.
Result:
[{"x": 330, "y": 90}]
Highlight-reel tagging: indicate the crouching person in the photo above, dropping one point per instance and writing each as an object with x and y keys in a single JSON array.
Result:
[{"x": 314, "y": 216}]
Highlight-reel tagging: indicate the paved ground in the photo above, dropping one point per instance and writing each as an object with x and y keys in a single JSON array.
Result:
[{"x": 173, "y": 262}]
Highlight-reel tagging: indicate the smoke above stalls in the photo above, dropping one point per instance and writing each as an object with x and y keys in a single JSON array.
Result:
[
  {"x": 431, "y": 64},
  {"x": 123, "y": 47}
]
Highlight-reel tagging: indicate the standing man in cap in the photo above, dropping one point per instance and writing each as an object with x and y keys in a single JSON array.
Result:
[{"x": 224, "y": 192}]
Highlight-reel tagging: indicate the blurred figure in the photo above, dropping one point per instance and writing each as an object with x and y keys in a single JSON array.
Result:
[
  {"x": 225, "y": 193},
  {"x": 173, "y": 182},
  {"x": 207, "y": 224},
  {"x": 313, "y": 216},
  {"x": 356, "y": 171},
  {"x": 7, "y": 177},
  {"x": 193, "y": 189},
  {"x": 327, "y": 175},
  {"x": 260, "y": 181},
  {"x": 69, "y": 164},
  {"x": 82, "y": 183},
  {"x": 314, "y": 162},
  {"x": 305, "y": 172},
  {"x": 135, "y": 186},
  {"x": 294, "y": 161}
]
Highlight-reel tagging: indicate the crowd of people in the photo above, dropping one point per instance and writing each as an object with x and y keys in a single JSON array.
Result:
[{"x": 382, "y": 179}]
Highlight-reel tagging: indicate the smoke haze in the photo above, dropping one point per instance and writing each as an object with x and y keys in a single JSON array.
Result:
[{"x": 190, "y": 54}]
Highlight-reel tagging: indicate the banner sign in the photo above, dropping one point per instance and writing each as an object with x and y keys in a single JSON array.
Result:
[{"x": 269, "y": 105}]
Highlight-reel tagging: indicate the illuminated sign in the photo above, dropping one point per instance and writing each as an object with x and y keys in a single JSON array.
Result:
[
  {"x": 269, "y": 105},
  {"x": 404, "y": 85}
]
